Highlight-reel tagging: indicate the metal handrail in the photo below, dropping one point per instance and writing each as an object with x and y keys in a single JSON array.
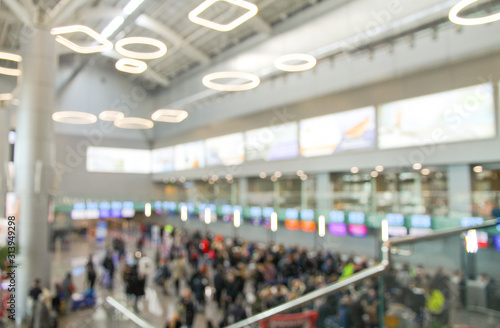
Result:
[
  {"x": 129, "y": 314},
  {"x": 361, "y": 275}
]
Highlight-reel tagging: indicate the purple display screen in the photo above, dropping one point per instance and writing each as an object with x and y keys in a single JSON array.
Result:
[
  {"x": 496, "y": 242},
  {"x": 337, "y": 229},
  {"x": 357, "y": 230}
]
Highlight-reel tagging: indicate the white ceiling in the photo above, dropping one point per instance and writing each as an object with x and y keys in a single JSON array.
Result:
[{"x": 332, "y": 30}]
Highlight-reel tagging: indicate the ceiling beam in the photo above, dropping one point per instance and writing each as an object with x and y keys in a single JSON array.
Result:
[
  {"x": 3, "y": 34},
  {"x": 63, "y": 10},
  {"x": 99, "y": 13},
  {"x": 165, "y": 31},
  {"x": 261, "y": 25},
  {"x": 30, "y": 7},
  {"x": 21, "y": 13}
]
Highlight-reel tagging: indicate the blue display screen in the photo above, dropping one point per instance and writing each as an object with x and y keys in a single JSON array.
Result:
[
  {"x": 395, "y": 220},
  {"x": 357, "y": 217},
  {"x": 337, "y": 216},
  {"x": 307, "y": 215},
  {"x": 421, "y": 221},
  {"x": 291, "y": 214}
]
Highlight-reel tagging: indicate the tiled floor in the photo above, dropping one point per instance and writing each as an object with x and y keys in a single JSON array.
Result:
[{"x": 156, "y": 308}]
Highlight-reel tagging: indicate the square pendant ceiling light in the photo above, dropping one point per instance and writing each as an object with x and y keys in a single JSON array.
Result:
[
  {"x": 169, "y": 115},
  {"x": 194, "y": 15},
  {"x": 104, "y": 45}
]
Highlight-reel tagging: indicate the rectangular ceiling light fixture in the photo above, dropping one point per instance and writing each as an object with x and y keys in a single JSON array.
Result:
[
  {"x": 169, "y": 115},
  {"x": 11, "y": 57},
  {"x": 194, "y": 15},
  {"x": 104, "y": 45}
]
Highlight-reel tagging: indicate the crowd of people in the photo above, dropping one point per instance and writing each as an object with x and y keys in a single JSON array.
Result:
[{"x": 244, "y": 278}]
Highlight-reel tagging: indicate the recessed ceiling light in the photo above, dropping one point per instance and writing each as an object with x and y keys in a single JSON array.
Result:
[
  {"x": 416, "y": 166},
  {"x": 73, "y": 117},
  {"x": 453, "y": 15},
  {"x": 194, "y": 15},
  {"x": 208, "y": 81},
  {"x": 300, "y": 172},
  {"x": 303, "y": 177},
  {"x": 374, "y": 174},
  {"x": 281, "y": 62},
  {"x": 134, "y": 123},
  {"x": 104, "y": 46},
  {"x": 6, "y": 96},
  {"x": 478, "y": 169},
  {"x": 277, "y": 174},
  {"x": 379, "y": 168},
  {"x": 162, "y": 48},
  {"x": 111, "y": 115},
  {"x": 10, "y": 57},
  {"x": 425, "y": 171},
  {"x": 132, "y": 66},
  {"x": 169, "y": 115},
  {"x": 262, "y": 175},
  {"x": 354, "y": 170}
]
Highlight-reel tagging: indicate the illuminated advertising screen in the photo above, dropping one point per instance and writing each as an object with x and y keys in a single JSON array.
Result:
[
  {"x": 307, "y": 222},
  {"x": 337, "y": 216},
  {"x": 395, "y": 220},
  {"x": 421, "y": 221},
  {"x": 104, "y": 210},
  {"x": 470, "y": 222},
  {"x": 397, "y": 231},
  {"x": 496, "y": 242},
  {"x": 116, "y": 209},
  {"x": 266, "y": 215},
  {"x": 420, "y": 231},
  {"x": 189, "y": 156},
  {"x": 357, "y": 227},
  {"x": 256, "y": 216},
  {"x": 272, "y": 143},
  {"x": 227, "y": 213},
  {"x": 457, "y": 115},
  {"x": 292, "y": 219},
  {"x": 128, "y": 210},
  {"x": 335, "y": 133},
  {"x": 78, "y": 212},
  {"x": 337, "y": 228},
  {"x": 357, "y": 230},
  {"x": 118, "y": 160},
  {"x": 482, "y": 239},
  {"x": 92, "y": 210},
  {"x": 225, "y": 150},
  {"x": 162, "y": 160}
]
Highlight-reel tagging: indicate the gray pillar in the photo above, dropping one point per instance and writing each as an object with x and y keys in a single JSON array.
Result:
[
  {"x": 324, "y": 192},
  {"x": 303, "y": 194},
  {"x": 243, "y": 192},
  {"x": 34, "y": 161},
  {"x": 234, "y": 193},
  {"x": 276, "y": 194},
  {"x": 4, "y": 155},
  {"x": 459, "y": 191}
]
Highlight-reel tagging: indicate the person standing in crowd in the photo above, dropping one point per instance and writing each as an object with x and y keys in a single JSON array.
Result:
[
  {"x": 68, "y": 290},
  {"x": 179, "y": 271},
  {"x": 36, "y": 290},
  {"x": 187, "y": 308},
  {"x": 220, "y": 286},
  {"x": 91, "y": 276},
  {"x": 198, "y": 282},
  {"x": 109, "y": 266},
  {"x": 175, "y": 321}
]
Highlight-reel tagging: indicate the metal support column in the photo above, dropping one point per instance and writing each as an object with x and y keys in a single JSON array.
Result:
[{"x": 34, "y": 162}]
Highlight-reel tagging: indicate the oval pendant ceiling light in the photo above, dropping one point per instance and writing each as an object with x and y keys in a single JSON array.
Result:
[
  {"x": 132, "y": 66},
  {"x": 120, "y": 48},
  {"x": 456, "y": 9},
  {"x": 111, "y": 115},
  {"x": 308, "y": 62},
  {"x": 254, "y": 81},
  {"x": 73, "y": 117},
  {"x": 134, "y": 123}
]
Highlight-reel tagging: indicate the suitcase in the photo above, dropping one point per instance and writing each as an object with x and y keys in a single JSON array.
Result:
[{"x": 83, "y": 300}]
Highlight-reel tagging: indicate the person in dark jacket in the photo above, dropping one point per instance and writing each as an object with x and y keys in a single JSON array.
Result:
[
  {"x": 198, "y": 283},
  {"x": 327, "y": 313},
  {"x": 187, "y": 306},
  {"x": 220, "y": 286},
  {"x": 91, "y": 276},
  {"x": 109, "y": 266}
]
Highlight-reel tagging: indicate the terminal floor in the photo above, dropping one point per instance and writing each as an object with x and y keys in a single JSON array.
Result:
[{"x": 156, "y": 308}]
